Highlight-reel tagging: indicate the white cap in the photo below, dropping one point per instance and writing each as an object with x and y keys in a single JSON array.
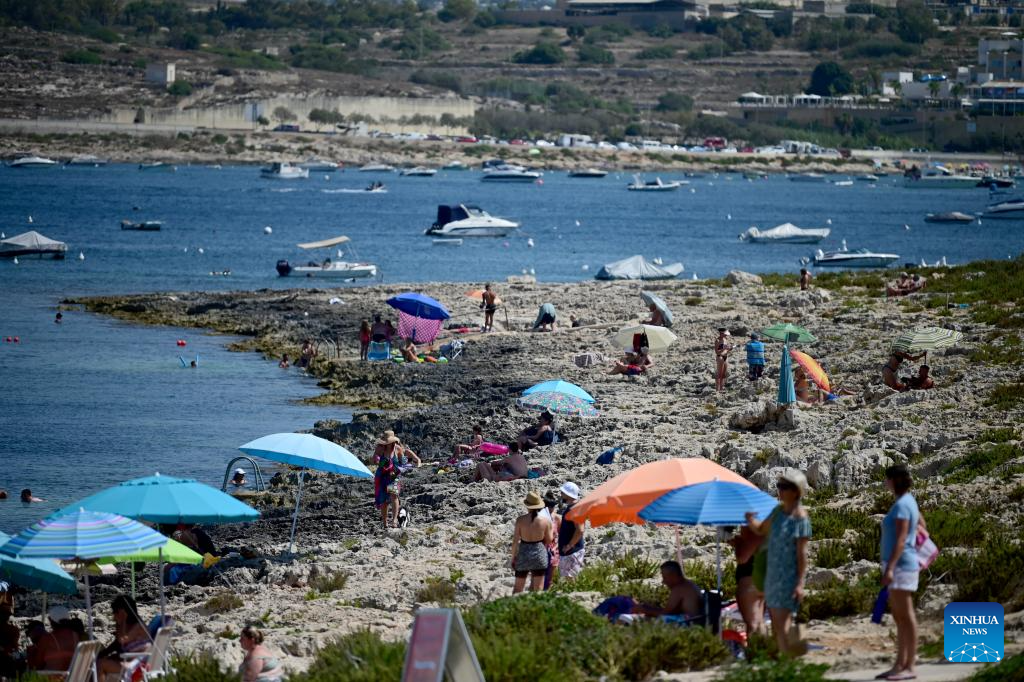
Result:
[
  {"x": 240, "y": 471},
  {"x": 58, "y": 613},
  {"x": 570, "y": 489}
]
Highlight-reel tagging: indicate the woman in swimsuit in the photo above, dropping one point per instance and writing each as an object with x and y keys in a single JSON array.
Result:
[
  {"x": 364, "y": 340},
  {"x": 890, "y": 369},
  {"x": 533, "y": 533},
  {"x": 259, "y": 665},
  {"x": 722, "y": 350},
  {"x": 635, "y": 364}
]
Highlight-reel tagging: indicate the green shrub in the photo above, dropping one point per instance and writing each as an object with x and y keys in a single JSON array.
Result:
[
  {"x": 841, "y": 599},
  {"x": 201, "y": 668},
  {"x": 223, "y": 602},
  {"x": 831, "y": 554},
  {"x": 981, "y": 462},
  {"x": 592, "y": 54},
  {"x": 867, "y": 545},
  {"x": 995, "y": 572},
  {"x": 706, "y": 576},
  {"x": 1003, "y": 435},
  {"x": 1006, "y": 396},
  {"x": 659, "y": 52},
  {"x": 635, "y": 567},
  {"x": 785, "y": 670},
  {"x": 542, "y": 53},
  {"x": 1009, "y": 670},
  {"x": 827, "y": 522},
  {"x": 329, "y": 582},
  {"x": 438, "y": 79},
  {"x": 180, "y": 89},
  {"x": 957, "y": 527},
  {"x": 653, "y": 646},
  {"x": 359, "y": 657},
  {"x": 81, "y": 57},
  {"x": 436, "y": 589}
]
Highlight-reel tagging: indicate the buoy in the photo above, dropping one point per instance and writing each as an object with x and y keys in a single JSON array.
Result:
[
  {"x": 695, "y": 275},
  {"x": 185, "y": 249},
  {"x": 201, "y": 250},
  {"x": 529, "y": 242},
  {"x": 577, "y": 223},
  {"x": 693, "y": 190},
  {"x": 7, "y": 340},
  {"x": 906, "y": 227},
  {"x": 30, "y": 219},
  {"x": 3, "y": 235},
  {"x": 585, "y": 267},
  {"x": 180, "y": 342},
  {"x": 728, "y": 216},
  {"x": 505, "y": 244},
  {"x": 15, "y": 260},
  {"x": 828, "y": 221},
  {"x": 524, "y": 271},
  {"x": 540, "y": 181},
  {"x": 532, "y": 271},
  {"x": 17, "y": 340},
  {"x": 327, "y": 177},
  {"x": 268, "y": 230},
  {"x": 306, "y": 314},
  {"x": 81, "y": 256}
]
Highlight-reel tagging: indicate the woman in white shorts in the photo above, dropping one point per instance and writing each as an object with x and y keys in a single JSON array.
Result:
[{"x": 900, "y": 569}]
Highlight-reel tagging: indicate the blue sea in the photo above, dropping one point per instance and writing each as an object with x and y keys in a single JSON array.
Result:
[{"x": 93, "y": 401}]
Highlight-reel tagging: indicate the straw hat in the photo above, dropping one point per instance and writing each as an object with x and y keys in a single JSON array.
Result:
[
  {"x": 533, "y": 501},
  {"x": 389, "y": 438},
  {"x": 797, "y": 478}
]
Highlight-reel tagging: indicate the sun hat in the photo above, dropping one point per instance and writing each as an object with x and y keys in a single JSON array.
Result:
[
  {"x": 570, "y": 489},
  {"x": 240, "y": 471},
  {"x": 796, "y": 477},
  {"x": 389, "y": 438},
  {"x": 533, "y": 501},
  {"x": 58, "y": 613}
]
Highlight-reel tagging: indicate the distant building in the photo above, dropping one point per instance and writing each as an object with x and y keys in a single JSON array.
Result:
[
  {"x": 1001, "y": 58},
  {"x": 160, "y": 73}
]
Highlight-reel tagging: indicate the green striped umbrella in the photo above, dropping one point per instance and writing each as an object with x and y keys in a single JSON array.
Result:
[
  {"x": 926, "y": 339},
  {"x": 789, "y": 333}
]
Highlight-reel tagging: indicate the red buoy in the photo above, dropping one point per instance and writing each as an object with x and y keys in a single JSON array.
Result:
[{"x": 17, "y": 340}]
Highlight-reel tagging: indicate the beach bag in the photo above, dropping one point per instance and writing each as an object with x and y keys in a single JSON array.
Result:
[
  {"x": 795, "y": 644},
  {"x": 927, "y": 550}
]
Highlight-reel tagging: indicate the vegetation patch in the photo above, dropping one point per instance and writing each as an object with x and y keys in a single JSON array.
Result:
[
  {"x": 784, "y": 670},
  {"x": 982, "y": 461},
  {"x": 222, "y": 602},
  {"x": 359, "y": 657},
  {"x": 840, "y": 599},
  {"x": 827, "y": 522},
  {"x": 329, "y": 582}
]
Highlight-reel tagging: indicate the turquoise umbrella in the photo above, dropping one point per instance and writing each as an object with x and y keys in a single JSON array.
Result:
[
  {"x": 82, "y": 535},
  {"x": 35, "y": 574},
  {"x": 306, "y": 451},
  {"x": 559, "y": 386},
  {"x": 789, "y": 333},
  {"x": 558, "y": 403},
  {"x": 787, "y": 392}
]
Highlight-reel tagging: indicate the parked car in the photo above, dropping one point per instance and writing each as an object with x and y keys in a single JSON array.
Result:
[
  {"x": 517, "y": 142},
  {"x": 467, "y": 139},
  {"x": 626, "y": 147},
  {"x": 919, "y": 150},
  {"x": 287, "y": 128}
]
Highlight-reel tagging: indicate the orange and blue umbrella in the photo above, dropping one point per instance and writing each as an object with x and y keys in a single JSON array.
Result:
[
  {"x": 558, "y": 403},
  {"x": 812, "y": 369}
]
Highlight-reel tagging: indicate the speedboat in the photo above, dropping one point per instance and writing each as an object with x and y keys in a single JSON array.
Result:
[
  {"x": 751, "y": 175},
  {"x": 868, "y": 177},
  {"x": 469, "y": 221},
  {"x": 318, "y": 165},
  {"x": 588, "y": 173},
  {"x": 87, "y": 160},
  {"x": 455, "y": 166},
  {"x": 32, "y": 243},
  {"x": 376, "y": 188},
  {"x": 951, "y": 217},
  {"x": 859, "y": 258},
  {"x": 655, "y": 185},
  {"x": 786, "y": 233},
  {"x": 376, "y": 168},
  {"x": 843, "y": 183},
  {"x": 144, "y": 226},
  {"x": 32, "y": 161},
  {"x": 283, "y": 171},
  {"x": 808, "y": 177},
  {"x": 419, "y": 172},
  {"x": 157, "y": 166},
  {"x": 941, "y": 179},
  {"x": 1011, "y": 209},
  {"x": 996, "y": 182},
  {"x": 510, "y": 173},
  {"x": 328, "y": 268}
]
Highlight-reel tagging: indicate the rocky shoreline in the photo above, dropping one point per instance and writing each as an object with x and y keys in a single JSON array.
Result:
[{"x": 460, "y": 532}]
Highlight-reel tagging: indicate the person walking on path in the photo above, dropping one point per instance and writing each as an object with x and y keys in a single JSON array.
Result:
[
  {"x": 533, "y": 533},
  {"x": 722, "y": 350},
  {"x": 900, "y": 569},
  {"x": 571, "y": 549},
  {"x": 788, "y": 529}
]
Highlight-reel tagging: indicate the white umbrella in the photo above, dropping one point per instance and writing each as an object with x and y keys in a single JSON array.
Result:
[{"x": 658, "y": 338}]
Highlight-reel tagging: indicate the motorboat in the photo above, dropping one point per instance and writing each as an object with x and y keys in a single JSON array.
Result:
[
  {"x": 588, "y": 173},
  {"x": 951, "y": 217},
  {"x": 455, "y": 166},
  {"x": 419, "y": 172},
  {"x": 157, "y": 166},
  {"x": 1011, "y": 209},
  {"x": 753, "y": 175},
  {"x": 843, "y": 183},
  {"x": 996, "y": 182},
  {"x": 32, "y": 243},
  {"x": 469, "y": 221},
  {"x": 858, "y": 258},
  {"x": 510, "y": 173},
  {"x": 938, "y": 179},
  {"x": 318, "y": 165},
  {"x": 87, "y": 160},
  {"x": 808, "y": 177},
  {"x": 327, "y": 268},
  {"x": 655, "y": 185},
  {"x": 32, "y": 161},
  {"x": 376, "y": 168},
  {"x": 283, "y": 171},
  {"x": 786, "y": 233},
  {"x": 867, "y": 177},
  {"x": 376, "y": 188},
  {"x": 638, "y": 267},
  {"x": 144, "y": 226}
]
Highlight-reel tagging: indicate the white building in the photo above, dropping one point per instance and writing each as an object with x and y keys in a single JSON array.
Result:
[{"x": 160, "y": 73}]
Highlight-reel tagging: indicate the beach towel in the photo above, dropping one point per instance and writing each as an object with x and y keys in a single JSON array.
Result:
[
  {"x": 613, "y": 607},
  {"x": 608, "y": 456},
  {"x": 588, "y": 359}
]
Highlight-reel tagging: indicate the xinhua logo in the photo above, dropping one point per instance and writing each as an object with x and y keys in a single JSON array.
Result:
[{"x": 973, "y": 632}]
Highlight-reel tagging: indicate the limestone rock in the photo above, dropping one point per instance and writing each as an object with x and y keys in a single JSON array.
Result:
[
  {"x": 740, "y": 278},
  {"x": 854, "y": 469}
]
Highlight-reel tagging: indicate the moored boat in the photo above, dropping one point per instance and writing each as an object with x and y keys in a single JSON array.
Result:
[
  {"x": 327, "y": 268},
  {"x": 32, "y": 161},
  {"x": 32, "y": 243},
  {"x": 463, "y": 220},
  {"x": 144, "y": 226},
  {"x": 283, "y": 171},
  {"x": 786, "y": 233},
  {"x": 655, "y": 185},
  {"x": 950, "y": 217}
]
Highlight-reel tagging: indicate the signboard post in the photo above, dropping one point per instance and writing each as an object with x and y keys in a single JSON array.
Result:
[{"x": 440, "y": 649}]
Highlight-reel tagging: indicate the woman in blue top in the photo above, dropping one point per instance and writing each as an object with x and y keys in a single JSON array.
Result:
[
  {"x": 900, "y": 569},
  {"x": 788, "y": 528}
]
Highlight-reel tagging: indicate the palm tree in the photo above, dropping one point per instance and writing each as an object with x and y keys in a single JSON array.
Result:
[{"x": 933, "y": 89}]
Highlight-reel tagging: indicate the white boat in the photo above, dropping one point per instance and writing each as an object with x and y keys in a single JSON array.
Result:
[
  {"x": 327, "y": 268},
  {"x": 32, "y": 161},
  {"x": 87, "y": 160},
  {"x": 157, "y": 166},
  {"x": 283, "y": 171},
  {"x": 808, "y": 177},
  {"x": 508, "y": 173},
  {"x": 32, "y": 243},
  {"x": 376, "y": 168},
  {"x": 843, "y": 183},
  {"x": 951, "y": 217},
  {"x": 455, "y": 166},
  {"x": 940, "y": 179},
  {"x": 469, "y": 221},
  {"x": 588, "y": 173},
  {"x": 318, "y": 165},
  {"x": 419, "y": 172},
  {"x": 655, "y": 185},
  {"x": 1011, "y": 209},
  {"x": 144, "y": 226},
  {"x": 859, "y": 258},
  {"x": 786, "y": 233},
  {"x": 867, "y": 178},
  {"x": 638, "y": 267}
]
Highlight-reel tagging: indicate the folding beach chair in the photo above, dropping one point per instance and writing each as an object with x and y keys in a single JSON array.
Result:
[
  {"x": 379, "y": 351},
  {"x": 155, "y": 660},
  {"x": 83, "y": 664}
]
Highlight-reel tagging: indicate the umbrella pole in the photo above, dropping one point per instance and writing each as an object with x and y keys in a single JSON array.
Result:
[
  {"x": 718, "y": 556},
  {"x": 88, "y": 602},
  {"x": 295, "y": 516},
  {"x": 163, "y": 599},
  {"x": 133, "y": 579}
]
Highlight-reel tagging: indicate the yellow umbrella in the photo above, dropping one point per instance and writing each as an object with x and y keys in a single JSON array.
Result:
[{"x": 813, "y": 370}]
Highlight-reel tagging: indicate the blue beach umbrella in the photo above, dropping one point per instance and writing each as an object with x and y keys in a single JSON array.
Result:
[
  {"x": 306, "y": 451},
  {"x": 82, "y": 535},
  {"x": 559, "y": 386},
  {"x": 711, "y": 503},
  {"x": 35, "y": 574},
  {"x": 787, "y": 393},
  {"x": 419, "y": 305}
]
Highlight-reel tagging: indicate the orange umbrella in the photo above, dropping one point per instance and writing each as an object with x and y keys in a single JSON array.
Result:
[
  {"x": 813, "y": 370},
  {"x": 622, "y": 498},
  {"x": 478, "y": 294}
]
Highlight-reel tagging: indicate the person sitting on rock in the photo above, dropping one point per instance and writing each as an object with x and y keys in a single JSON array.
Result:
[
  {"x": 472, "y": 449},
  {"x": 922, "y": 382},
  {"x": 635, "y": 364},
  {"x": 657, "y": 317},
  {"x": 541, "y": 434},
  {"x": 409, "y": 351},
  {"x": 890, "y": 369},
  {"x": 510, "y": 468}
]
